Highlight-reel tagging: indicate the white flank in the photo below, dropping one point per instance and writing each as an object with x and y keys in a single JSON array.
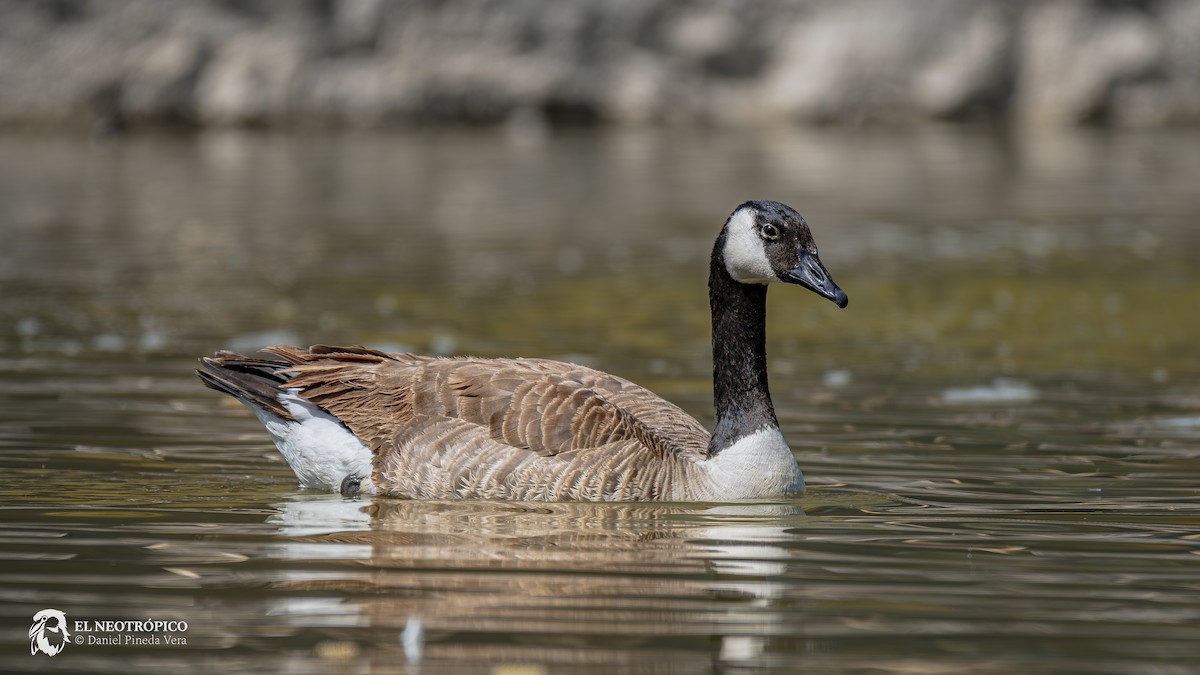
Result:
[
  {"x": 745, "y": 259},
  {"x": 757, "y": 466},
  {"x": 319, "y": 449}
]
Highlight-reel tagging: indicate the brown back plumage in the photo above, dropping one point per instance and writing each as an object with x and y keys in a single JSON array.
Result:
[{"x": 500, "y": 428}]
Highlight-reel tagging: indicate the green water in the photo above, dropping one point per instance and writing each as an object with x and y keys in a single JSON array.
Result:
[{"x": 1001, "y": 433}]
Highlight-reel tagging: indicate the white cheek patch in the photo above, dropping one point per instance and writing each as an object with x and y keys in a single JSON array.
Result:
[{"x": 745, "y": 259}]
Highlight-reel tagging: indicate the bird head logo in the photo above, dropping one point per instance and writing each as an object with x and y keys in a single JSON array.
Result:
[{"x": 48, "y": 634}]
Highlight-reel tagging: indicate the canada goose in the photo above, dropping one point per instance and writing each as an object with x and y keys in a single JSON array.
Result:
[{"x": 532, "y": 429}]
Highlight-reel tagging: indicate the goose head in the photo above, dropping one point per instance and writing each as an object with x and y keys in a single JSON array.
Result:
[{"x": 766, "y": 242}]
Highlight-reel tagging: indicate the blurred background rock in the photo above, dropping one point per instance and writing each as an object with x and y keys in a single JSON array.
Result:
[{"x": 371, "y": 63}]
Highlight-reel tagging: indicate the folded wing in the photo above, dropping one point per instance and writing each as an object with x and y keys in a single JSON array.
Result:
[{"x": 503, "y": 428}]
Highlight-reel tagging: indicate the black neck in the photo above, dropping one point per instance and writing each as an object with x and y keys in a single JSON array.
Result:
[{"x": 739, "y": 341}]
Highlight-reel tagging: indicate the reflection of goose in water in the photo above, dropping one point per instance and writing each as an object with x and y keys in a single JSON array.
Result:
[
  {"x": 556, "y": 584},
  {"x": 532, "y": 429}
]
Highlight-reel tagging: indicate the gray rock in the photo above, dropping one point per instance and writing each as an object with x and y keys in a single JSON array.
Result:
[
  {"x": 744, "y": 62},
  {"x": 160, "y": 78},
  {"x": 251, "y": 78},
  {"x": 972, "y": 71},
  {"x": 1076, "y": 61}
]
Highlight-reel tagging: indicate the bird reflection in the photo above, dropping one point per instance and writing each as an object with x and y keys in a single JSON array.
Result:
[{"x": 646, "y": 588}]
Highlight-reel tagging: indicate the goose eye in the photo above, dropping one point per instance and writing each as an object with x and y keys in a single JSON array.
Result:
[{"x": 769, "y": 231}]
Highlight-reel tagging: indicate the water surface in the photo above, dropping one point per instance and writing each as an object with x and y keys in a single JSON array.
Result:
[{"x": 1001, "y": 433}]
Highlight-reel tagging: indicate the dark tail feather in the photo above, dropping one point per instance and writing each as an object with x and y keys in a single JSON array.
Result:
[{"x": 255, "y": 381}]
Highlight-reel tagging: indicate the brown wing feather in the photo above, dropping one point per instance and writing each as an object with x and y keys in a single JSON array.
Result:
[
  {"x": 547, "y": 407},
  {"x": 504, "y": 428}
]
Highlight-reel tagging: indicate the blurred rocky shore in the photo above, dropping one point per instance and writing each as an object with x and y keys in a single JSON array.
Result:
[{"x": 118, "y": 63}]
